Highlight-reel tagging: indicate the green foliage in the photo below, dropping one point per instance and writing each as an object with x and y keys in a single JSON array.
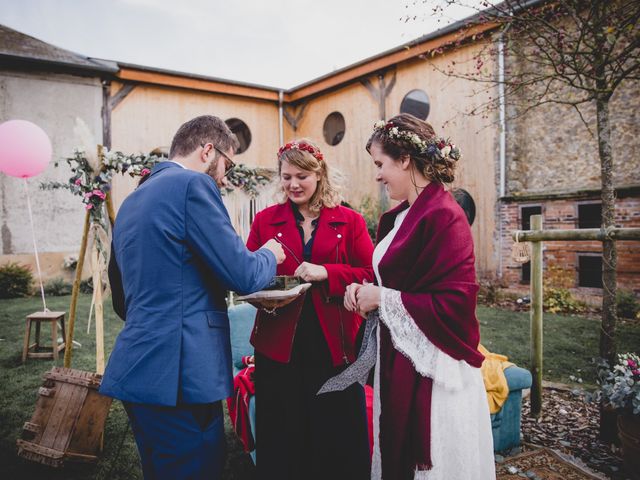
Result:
[
  {"x": 371, "y": 211},
  {"x": 560, "y": 300},
  {"x": 557, "y": 297},
  {"x": 249, "y": 180},
  {"x": 620, "y": 384},
  {"x": 15, "y": 280},
  {"x": 627, "y": 303},
  {"x": 57, "y": 287},
  {"x": 86, "y": 286},
  {"x": 490, "y": 292}
]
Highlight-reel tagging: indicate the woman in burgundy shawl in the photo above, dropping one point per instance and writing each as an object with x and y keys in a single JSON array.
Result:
[{"x": 431, "y": 418}]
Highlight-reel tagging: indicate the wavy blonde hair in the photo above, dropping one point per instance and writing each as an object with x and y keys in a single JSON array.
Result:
[{"x": 326, "y": 194}]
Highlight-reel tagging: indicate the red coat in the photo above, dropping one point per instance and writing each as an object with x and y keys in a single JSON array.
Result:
[{"x": 342, "y": 245}]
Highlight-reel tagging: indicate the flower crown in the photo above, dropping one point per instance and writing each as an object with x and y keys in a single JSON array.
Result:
[
  {"x": 302, "y": 146},
  {"x": 437, "y": 147}
]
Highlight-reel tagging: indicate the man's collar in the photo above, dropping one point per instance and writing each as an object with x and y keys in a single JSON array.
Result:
[{"x": 177, "y": 163}]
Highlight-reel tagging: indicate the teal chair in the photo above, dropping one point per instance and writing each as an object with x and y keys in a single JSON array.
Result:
[
  {"x": 505, "y": 425},
  {"x": 241, "y": 318}
]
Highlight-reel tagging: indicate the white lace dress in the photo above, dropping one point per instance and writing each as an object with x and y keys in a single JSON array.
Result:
[{"x": 461, "y": 441}]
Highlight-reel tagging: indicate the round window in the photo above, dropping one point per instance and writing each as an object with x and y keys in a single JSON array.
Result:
[
  {"x": 416, "y": 102},
  {"x": 242, "y": 131},
  {"x": 465, "y": 200},
  {"x": 333, "y": 128}
]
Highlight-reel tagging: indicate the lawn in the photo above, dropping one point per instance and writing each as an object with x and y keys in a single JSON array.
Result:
[
  {"x": 19, "y": 384},
  {"x": 570, "y": 345}
]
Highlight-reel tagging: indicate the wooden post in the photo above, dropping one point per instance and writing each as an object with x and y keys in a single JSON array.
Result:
[
  {"x": 536, "y": 319},
  {"x": 97, "y": 292},
  {"x": 111, "y": 212},
  {"x": 74, "y": 292}
]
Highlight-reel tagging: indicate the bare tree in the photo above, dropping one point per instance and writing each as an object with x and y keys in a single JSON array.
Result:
[{"x": 568, "y": 52}]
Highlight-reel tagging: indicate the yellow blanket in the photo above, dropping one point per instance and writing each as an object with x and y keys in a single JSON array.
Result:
[{"x": 495, "y": 383}]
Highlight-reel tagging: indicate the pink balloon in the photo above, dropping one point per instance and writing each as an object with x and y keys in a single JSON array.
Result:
[{"x": 25, "y": 149}]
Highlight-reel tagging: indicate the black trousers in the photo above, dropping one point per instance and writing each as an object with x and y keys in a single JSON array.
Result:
[{"x": 300, "y": 435}]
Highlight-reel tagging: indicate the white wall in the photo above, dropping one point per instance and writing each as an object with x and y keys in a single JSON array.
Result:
[{"x": 53, "y": 102}]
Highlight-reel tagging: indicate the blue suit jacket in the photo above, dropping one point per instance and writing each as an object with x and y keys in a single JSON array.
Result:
[{"x": 177, "y": 254}]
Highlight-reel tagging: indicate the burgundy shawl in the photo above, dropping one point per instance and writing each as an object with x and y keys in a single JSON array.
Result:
[{"x": 431, "y": 262}]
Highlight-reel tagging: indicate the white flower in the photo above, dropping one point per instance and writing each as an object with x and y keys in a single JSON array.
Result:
[
  {"x": 446, "y": 150},
  {"x": 379, "y": 124},
  {"x": 394, "y": 132}
]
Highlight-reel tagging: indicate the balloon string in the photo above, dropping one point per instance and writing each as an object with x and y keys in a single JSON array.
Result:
[{"x": 35, "y": 248}]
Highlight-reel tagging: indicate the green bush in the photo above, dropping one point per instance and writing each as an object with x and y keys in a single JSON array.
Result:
[
  {"x": 15, "y": 280},
  {"x": 370, "y": 210},
  {"x": 57, "y": 287},
  {"x": 628, "y": 305},
  {"x": 560, "y": 300},
  {"x": 86, "y": 286},
  {"x": 490, "y": 292}
]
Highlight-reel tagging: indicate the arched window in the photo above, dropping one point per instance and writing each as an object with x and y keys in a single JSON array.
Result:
[
  {"x": 242, "y": 131},
  {"x": 416, "y": 102},
  {"x": 333, "y": 128}
]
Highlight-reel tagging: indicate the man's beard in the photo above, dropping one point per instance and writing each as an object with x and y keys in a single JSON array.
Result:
[{"x": 211, "y": 171}]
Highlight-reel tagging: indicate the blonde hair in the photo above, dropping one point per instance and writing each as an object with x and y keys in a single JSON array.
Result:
[{"x": 326, "y": 194}]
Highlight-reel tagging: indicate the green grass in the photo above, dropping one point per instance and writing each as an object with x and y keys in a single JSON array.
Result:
[
  {"x": 570, "y": 342},
  {"x": 570, "y": 345},
  {"x": 19, "y": 384}
]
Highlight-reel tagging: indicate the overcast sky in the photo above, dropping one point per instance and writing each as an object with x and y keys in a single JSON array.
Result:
[{"x": 280, "y": 43}]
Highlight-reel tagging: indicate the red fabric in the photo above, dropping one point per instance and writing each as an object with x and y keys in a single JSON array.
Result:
[
  {"x": 431, "y": 262},
  {"x": 368, "y": 395},
  {"x": 342, "y": 245},
  {"x": 243, "y": 390}
]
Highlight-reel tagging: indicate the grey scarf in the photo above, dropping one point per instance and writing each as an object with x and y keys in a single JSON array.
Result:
[{"x": 359, "y": 370}]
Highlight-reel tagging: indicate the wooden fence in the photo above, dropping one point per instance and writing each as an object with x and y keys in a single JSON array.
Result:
[{"x": 537, "y": 235}]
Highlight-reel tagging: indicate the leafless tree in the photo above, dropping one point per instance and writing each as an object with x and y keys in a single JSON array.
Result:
[{"x": 568, "y": 52}]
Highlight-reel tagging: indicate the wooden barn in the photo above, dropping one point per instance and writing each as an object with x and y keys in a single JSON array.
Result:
[{"x": 505, "y": 168}]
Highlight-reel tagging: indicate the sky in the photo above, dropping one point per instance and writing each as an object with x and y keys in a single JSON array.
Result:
[{"x": 278, "y": 43}]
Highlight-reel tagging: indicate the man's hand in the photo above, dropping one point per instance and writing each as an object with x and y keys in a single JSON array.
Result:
[
  {"x": 368, "y": 298},
  {"x": 276, "y": 249},
  {"x": 311, "y": 272}
]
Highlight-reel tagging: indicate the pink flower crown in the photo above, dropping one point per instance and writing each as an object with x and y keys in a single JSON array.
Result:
[{"x": 302, "y": 146}]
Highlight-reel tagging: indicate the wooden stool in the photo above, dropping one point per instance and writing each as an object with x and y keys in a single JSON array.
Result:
[{"x": 31, "y": 351}]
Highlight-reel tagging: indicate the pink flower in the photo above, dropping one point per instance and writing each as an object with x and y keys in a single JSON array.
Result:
[
  {"x": 144, "y": 172},
  {"x": 631, "y": 363},
  {"x": 635, "y": 372},
  {"x": 88, "y": 206},
  {"x": 78, "y": 181},
  {"x": 88, "y": 195},
  {"x": 99, "y": 194}
]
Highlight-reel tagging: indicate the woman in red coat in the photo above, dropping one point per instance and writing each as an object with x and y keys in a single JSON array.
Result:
[{"x": 299, "y": 434}]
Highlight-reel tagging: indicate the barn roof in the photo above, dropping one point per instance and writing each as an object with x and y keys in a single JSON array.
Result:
[{"x": 17, "y": 48}]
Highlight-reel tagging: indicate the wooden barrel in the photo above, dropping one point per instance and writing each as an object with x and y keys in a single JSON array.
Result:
[{"x": 68, "y": 421}]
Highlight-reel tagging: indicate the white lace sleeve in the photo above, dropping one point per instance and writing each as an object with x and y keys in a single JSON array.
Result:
[{"x": 408, "y": 339}]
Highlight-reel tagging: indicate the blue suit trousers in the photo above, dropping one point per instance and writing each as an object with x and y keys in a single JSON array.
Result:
[{"x": 174, "y": 446}]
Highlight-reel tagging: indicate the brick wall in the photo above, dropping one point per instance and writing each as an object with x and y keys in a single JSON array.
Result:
[{"x": 563, "y": 214}]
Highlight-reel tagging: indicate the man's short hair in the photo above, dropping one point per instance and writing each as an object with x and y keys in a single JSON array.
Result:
[{"x": 201, "y": 130}]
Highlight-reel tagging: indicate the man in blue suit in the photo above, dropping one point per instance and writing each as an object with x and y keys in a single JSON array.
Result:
[{"x": 174, "y": 256}]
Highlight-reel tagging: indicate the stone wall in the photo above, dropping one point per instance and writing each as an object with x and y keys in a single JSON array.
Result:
[{"x": 550, "y": 148}]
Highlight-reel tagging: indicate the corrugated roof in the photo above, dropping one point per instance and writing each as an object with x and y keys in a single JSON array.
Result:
[{"x": 17, "y": 46}]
